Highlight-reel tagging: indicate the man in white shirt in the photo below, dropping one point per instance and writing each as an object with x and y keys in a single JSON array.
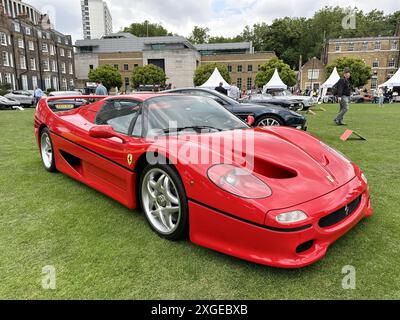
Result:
[{"x": 234, "y": 92}]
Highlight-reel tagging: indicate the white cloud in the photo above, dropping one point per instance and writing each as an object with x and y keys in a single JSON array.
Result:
[{"x": 222, "y": 17}]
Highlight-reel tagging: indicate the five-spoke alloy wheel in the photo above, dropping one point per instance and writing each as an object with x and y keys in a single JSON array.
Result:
[{"x": 46, "y": 151}]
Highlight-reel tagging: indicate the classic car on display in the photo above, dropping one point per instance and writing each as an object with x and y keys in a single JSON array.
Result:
[
  {"x": 281, "y": 200},
  {"x": 24, "y": 97},
  {"x": 265, "y": 114},
  {"x": 267, "y": 99}
]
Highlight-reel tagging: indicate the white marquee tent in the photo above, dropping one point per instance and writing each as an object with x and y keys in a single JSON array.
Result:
[
  {"x": 275, "y": 82},
  {"x": 214, "y": 81},
  {"x": 330, "y": 82},
  {"x": 393, "y": 81}
]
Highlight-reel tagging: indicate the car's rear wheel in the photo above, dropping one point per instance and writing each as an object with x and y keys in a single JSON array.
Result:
[
  {"x": 164, "y": 201},
  {"x": 46, "y": 151},
  {"x": 269, "y": 121}
]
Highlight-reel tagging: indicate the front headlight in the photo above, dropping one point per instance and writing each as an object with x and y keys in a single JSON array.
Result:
[
  {"x": 291, "y": 217},
  {"x": 238, "y": 181}
]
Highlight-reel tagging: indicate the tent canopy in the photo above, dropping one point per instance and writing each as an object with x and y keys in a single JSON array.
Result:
[
  {"x": 393, "y": 81},
  {"x": 275, "y": 82},
  {"x": 214, "y": 81},
  {"x": 332, "y": 80}
]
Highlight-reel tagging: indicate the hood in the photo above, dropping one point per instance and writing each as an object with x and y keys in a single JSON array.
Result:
[{"x": 290, "y": 161}]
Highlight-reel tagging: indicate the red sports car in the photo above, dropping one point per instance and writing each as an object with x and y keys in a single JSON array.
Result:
[{"x": 272, "y": 195}]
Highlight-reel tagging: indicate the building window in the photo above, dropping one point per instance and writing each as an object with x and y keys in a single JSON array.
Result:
[
  {"x": 17, "y": 27},
  {"x": 126, "y": 67},
  {"x": 6, "y": 59},
  {"x": 46, "y": 65},
  {"x": 375, "y": 64},
  {"x": 53, "y": 65},
  {"x": 69, "y": 53},
  {"x": 394, "y": 45},
  {"x": 250, "y": 68},
  {"x": 116, "y": 66},
  {"x": 337, "y": 47},
  {"x": 47, "y": 83},
  {"x": 365, "y": 46},
  {"x": 64, "y": 84},
  {"x": 33, "y": 63},
  {"x": 45, "y": 47},
  {"x": 91, "y": 67},
  {"x": 21, "y": 43},
  {"x": 31, "y": 46},
  {"x": 351, "y": 46},
  {"x": 249, "y": 83},
  {"x": 3, "y": 39},
  {"x": 239, "y": 83},
  {"x": 62, "y": 52},
  {"x": 71, "y": 83},
  {"x": 135, "y": 65},
  {"x": 229, "y": 68},
  {"x": 28, "y": 31},
  {"x": 52, "y": 50},
  {"x": 377, "y": 45},
  {"x": 11, "y": 60},
  {"x": 24, "y": 79},
  {"x": 374, "y": 83},
  {"x": 59, "y": 39},
  {"x": 55, "y": 83},
  {"x": 239, "y": 68},
  {"x": 7, "y": 78},
  {"x": 39, "y": 34},
  {"x": 34, "y": 82},
  {"x": 22, "y": 62},
  {"x": 391, "y": 63},
  {"x": 71, "y": 69},
  {"x": 313, "y": 74}
]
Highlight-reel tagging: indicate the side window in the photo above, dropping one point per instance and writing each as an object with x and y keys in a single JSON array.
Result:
[{"x": 118, "y": 113}]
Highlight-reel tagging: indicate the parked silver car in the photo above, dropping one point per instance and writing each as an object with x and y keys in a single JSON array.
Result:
[
  {"x": 24, "y": 97},
  {"x": 6, "y": 103}
]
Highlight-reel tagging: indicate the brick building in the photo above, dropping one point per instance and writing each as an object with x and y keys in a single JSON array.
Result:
[
  {"x": 32, "y": 52},
  {"x": 312, "y": 75}
]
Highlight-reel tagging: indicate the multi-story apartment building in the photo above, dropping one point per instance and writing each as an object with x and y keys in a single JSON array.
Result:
[
  {"x": 96, "y": 19},
  {"x": 382, "y": 54},
  {"x": 176, "y": 55},
  {"x": 32, "y": 52},
  {"x": 312, "y": 75}
]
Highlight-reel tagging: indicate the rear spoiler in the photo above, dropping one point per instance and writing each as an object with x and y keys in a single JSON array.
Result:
[
  {"x": 75, "y": 97},
  {"x": 64, "y": 103}
]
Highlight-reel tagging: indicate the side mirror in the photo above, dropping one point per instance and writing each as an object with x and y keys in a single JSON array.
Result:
[
  {"x": 250, "y": 120},
  {"x": 105, "y": 132}
]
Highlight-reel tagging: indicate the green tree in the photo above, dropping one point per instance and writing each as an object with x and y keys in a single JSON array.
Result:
[
  {"x": 199, "y": 35},
  {"x": 360, "y": 72},
  {"x": 287, "y": 75},
  {"x": 106, "y": 74},
  {"x": 204, "y": 72},
  {"x": 148, "y": 75},
  {"x": 147, "y": 29},
  {"x": 4, "y": 88}
]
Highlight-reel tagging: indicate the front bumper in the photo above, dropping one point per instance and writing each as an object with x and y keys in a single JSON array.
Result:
[{"x": 279, "y": 248}]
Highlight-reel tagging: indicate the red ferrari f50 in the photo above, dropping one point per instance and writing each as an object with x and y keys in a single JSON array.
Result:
[{"x": 271, "y": 195}]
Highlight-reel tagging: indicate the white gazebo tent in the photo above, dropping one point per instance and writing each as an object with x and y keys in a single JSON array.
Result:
[
  {"x": 275, "y": 82},
  {"x": 330, "y": 82},
  {"x": 394, "y": 81},
  {"x": 214, "y": 81}
]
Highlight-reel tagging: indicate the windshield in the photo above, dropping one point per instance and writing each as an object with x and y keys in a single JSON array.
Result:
[{"x": 175, "y": 114}]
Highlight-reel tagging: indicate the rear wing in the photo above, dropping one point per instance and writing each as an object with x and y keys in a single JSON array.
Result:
[{"x": 65, "y": 103}]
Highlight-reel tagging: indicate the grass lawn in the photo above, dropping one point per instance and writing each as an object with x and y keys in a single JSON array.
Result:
[{"x": 101, "y": 250}]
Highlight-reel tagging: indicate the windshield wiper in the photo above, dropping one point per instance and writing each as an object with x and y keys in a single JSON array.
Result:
[{"x": 195, "y": 128}]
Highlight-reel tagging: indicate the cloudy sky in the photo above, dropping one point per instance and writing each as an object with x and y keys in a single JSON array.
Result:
[{"x": 222, "y": 17}]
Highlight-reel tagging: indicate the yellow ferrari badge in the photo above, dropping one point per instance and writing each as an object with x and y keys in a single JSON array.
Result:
[
  {"x": 330, "y": 178},
  {"x": 130, "y": 159}
]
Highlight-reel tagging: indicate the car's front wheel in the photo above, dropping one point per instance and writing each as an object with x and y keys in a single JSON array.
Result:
[
  {"x": 46, "y": 151},
  {"x": 164, "y": 201},
  {"x": 269, "y": 121}
]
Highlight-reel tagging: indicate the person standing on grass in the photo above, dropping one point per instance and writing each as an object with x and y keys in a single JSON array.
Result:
[
  {"x": 343, "y": 95},
  {"x": 381, "y": 97},
  {"x": 101, "y": 90},
  {"x": 37, "y": 95},
  {"x": 234, "y": 92}
]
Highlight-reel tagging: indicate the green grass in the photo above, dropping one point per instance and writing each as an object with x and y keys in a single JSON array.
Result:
[{"x": 101, "y": 250}]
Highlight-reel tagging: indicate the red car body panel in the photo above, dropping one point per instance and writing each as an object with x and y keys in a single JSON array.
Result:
[{"x": 302, "y": 173}]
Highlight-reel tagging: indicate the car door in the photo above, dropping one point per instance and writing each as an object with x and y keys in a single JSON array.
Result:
[{"x": 107, "y": 163}]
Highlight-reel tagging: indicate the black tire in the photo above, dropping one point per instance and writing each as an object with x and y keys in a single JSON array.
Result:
[
  {"x": 50, "y": 164},
  {"x": 182, "y": 224},
  {"x": 269, "y": 117}
]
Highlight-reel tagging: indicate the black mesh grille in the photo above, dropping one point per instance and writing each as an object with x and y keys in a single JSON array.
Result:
[{"x": 340, "y": 214}]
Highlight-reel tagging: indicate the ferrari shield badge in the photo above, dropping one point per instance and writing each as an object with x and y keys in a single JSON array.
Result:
[
  {"x": 130, "y": 159},
  {"x": 330, "y": 178}
]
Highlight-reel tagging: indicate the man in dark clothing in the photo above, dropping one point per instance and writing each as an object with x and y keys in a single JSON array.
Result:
[
  {"x": 221, "y": 89},
  {"x": 343, "y": 95}
]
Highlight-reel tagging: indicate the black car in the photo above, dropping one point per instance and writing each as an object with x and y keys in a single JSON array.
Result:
[
  {"x": 265, "y": 115},
  {"x": 266, "y": 99}
]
